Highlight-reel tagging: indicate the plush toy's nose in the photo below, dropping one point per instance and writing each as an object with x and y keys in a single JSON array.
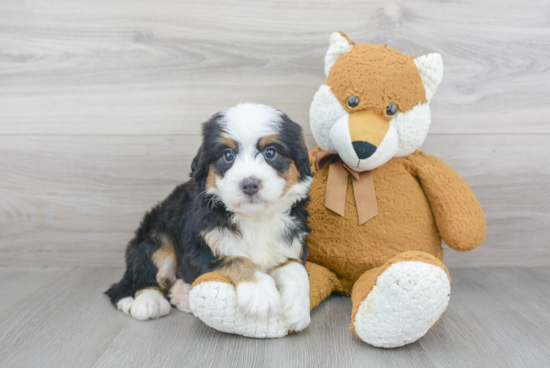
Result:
[
  {"x": 367, "y": 130},
  {"x": 363, "y": 149}
]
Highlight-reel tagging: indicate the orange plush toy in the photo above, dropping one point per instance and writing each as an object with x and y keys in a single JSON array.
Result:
[{"x": 379, "y": 208}]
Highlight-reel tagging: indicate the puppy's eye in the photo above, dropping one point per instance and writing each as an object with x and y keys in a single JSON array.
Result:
[
  {"x": 229, "y": 156},
  {"x": 270, "y": 153},
  {"x": 391, "y": 110},
  {"x": 352, "y": 102}
]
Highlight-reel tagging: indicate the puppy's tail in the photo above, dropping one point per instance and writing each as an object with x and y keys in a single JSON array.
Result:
[{"x": 121, "y": 289}]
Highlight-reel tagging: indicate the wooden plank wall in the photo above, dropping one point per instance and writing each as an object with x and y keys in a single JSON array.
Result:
[{"x": 101, "y": 104}]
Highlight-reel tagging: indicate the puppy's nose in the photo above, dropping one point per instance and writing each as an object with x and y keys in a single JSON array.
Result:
[
  {"x": 363, "y": 149},
  {"x": 250, "y": 185}
]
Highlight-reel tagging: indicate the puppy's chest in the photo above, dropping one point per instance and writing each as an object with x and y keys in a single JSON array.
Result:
[{"x": 267, "y": 241}]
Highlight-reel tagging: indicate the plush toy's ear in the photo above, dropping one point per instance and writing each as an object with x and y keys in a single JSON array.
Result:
[
  {"x": 339, "y": 45},
  {"x": 431, "y": 71}
]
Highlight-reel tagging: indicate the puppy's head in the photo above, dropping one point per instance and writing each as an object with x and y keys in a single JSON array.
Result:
[{"x": 253, "y": 158}]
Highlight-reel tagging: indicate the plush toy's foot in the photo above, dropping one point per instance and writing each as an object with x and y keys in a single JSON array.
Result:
[
  {"x": 407, "y": 297},
  {"x": 213, "y": 300}
]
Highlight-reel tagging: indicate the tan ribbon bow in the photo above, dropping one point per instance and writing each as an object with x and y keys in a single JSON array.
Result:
[{"x": 337, "y": 184}]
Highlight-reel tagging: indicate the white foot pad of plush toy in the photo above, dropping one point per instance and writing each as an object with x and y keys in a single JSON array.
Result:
[
  {"x": 215, "y": 303},
  {"x": 408, "y": 298}
]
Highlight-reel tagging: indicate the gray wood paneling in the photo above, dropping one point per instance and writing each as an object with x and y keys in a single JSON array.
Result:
[
  {"x": 496, "y": 318},
  {"x": 142, "y": 67},
  {"x": 77, "y": 199},
  {"x": 101, "y": 101}
]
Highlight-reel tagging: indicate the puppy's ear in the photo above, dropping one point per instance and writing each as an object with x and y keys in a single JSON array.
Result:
[
  {"x": 302, "y": 158},
  {"x": 210, "y": 131},
  {"x": 294, "y": 135},
  {"x": 197, "y": 166}
]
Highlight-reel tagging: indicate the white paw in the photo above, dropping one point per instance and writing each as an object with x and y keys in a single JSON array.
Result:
[
  {"x": 293, "y": 283},
  {"x": 125, "y": 304},
  {"x": 407, "y": 300},
  {"x": 260, "y": 298},
  {"x": 179, "y": 295},
  {"x": 148, "y": 304},
  {"x": 295, "y": 308}
]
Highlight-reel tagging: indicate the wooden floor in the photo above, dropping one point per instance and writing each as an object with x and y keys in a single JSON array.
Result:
[{"x": 58, "y": 317}]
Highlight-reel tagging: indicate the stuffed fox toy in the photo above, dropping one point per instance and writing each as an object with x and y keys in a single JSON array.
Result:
[{"x": 379, "y": 208}]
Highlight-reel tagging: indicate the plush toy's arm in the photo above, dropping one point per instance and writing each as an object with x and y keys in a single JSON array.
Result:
[{"x": 458, "y": 214}]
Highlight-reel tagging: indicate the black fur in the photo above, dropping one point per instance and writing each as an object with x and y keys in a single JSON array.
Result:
[
  {"x": 221, "y": 166},
  {"x": 292, "y": 136},
  {"x": 188, "y": 211}
]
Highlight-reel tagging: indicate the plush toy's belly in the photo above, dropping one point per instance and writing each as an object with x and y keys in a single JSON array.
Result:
[{"x": 405, "y": 222}]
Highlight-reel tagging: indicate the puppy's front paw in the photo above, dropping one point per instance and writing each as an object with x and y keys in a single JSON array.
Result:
[
  {"x": 260, "y": 298},
  {"x": 295, "y": 309},
  {"x": 293, "y": 283},
  {"x": 148, "y": 304}
]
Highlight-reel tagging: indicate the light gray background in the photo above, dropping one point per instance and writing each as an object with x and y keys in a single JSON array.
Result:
[
  {"x": 100, "y": 109},
  {"x": 101, "y": 104}
]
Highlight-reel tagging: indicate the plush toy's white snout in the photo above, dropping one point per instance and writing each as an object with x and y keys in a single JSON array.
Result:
[
  {"x": 338, "y": 131},
  {"x": 355, "y": 139}
]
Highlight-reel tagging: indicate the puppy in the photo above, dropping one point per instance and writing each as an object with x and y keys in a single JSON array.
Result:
[{"x": 241, "y": 214}]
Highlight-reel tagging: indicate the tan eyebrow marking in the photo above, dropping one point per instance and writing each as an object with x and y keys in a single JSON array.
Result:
[
  {"x": 269, "y": 139},
  {"x": 226, "y": 141}
]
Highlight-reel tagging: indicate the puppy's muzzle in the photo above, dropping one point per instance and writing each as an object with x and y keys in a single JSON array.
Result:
[{"x": 250, "y": 185}]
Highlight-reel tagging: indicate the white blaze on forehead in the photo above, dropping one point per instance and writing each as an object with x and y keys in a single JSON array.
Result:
[{"x": 247, "y": 123}]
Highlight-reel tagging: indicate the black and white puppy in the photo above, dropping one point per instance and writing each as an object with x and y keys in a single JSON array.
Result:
[{"x": 241, "y": 214}]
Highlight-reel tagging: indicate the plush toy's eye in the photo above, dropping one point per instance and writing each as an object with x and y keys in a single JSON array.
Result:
[
  {"x": 391, "y": 110},
  {"x": 352, "y": 102},
  {"x": 270, "y": 153},
  {"x": 228, "y": 156}
]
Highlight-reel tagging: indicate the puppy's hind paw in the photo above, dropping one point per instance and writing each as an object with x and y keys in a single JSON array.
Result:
[
  {"x": 179, "y": 296},
  {"x": 125, "y": 304},
  {"x": 149, "y": 304}
]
